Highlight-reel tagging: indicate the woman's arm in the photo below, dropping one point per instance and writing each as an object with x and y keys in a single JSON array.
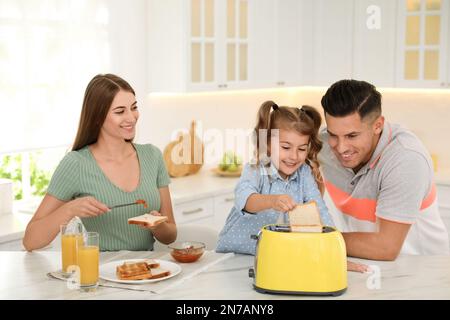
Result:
[
  {"x": 165, "y": 232},
  {"x": 45, "y": 224}
]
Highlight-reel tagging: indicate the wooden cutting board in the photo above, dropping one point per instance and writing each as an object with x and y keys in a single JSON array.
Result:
[{"x": 178, "y": 162}]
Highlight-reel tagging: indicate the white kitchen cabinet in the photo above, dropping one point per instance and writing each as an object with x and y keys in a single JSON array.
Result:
[
  {"x": 374, "y": 41},
  {"x": 288, "y": 42},
  {"x": 211, "y": 211},
  {"x": 194, "y": 46},
  {"x": 262, "y": 50},
  {"x": 332, "y": 40},
  {"x": 422, "y": 42},
  {"x": 194, "y": 211},
  {"x": 222, "y": 207}
]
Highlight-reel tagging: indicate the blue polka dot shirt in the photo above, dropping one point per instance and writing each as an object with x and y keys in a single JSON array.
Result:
[{"x": 240, "y": 225}]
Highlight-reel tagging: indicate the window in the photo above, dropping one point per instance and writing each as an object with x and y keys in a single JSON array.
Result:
[{"x": 49, "y": 50}]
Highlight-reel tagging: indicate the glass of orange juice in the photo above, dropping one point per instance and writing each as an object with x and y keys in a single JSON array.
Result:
[
  {"x": 88, "y": 261},
  {"x": 69, "y": 240}
]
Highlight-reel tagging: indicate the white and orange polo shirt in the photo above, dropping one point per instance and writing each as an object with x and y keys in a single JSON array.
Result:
[{"x": 397, "y": 184}]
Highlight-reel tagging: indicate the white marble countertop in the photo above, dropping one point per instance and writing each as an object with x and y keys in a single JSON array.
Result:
[
  {"x": 204, "y": 184},
  {"x": 23, "y": 276}
]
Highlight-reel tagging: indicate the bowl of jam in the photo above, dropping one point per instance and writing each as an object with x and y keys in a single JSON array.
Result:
[{"x": 187, "y": 251}]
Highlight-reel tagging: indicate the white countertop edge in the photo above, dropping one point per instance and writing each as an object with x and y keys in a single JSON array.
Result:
[{"x": 9, "y": 237}]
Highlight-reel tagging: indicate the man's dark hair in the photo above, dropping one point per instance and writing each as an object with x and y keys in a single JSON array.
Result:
[{"x": 346, "y": 97}]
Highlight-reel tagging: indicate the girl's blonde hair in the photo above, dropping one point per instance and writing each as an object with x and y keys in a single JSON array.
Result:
[{"x": 305, "y": 121}]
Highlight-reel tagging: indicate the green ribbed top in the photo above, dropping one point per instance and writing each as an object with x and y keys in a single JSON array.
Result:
[{"x": 79, "y": 175}]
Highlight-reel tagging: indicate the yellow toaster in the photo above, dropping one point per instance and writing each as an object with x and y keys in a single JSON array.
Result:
[{"x": 299, "y": 262}]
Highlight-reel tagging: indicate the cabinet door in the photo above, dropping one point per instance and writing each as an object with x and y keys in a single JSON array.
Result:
[
  {"x": 235, "y": 46},
  {"x": 222, "y": 208},
  {"x": 262, "y": 43},
  {"x": 194, "y": 211},
  {"x": 203, "y": 44},
  {"x": 422, "y": 43},
  {"x": 288, "y": 42},
  {"x": 333, "y": 27},
  {"x": 374, "y": 42}
]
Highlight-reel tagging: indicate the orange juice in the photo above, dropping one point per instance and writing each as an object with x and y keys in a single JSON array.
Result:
[
  {"x": 69, "y": 249},
  {"x": 88, "y": 261}
]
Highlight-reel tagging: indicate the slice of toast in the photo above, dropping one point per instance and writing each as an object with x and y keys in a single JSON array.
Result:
[
  {"x": 147, "y": 220},
  {"x": 133, "y": 271},
  {"x": 159, "y": 273},
  {"x": 145, "y": 276},
  {"x": 142, "y": 270},
  {"x": 305, "y": 218},
  {"x": 152, "y": 264}
]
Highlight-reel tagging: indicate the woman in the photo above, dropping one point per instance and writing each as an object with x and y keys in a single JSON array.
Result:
[{"x": 105, "y": 168}]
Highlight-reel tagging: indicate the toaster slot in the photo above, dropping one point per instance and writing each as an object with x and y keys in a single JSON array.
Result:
[
  {"x": 287, "y": 228},
  {"x": 279, "y": 228}
]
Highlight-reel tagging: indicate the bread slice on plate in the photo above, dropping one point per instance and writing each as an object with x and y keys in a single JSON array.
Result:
[
  {"x": 147, "y": 220},
  {"x": 305, "y": 218},
  {"x": 143, "y": 270},
  {"x": 133, "y": 271},
  {"x": 159, "y": 273}
]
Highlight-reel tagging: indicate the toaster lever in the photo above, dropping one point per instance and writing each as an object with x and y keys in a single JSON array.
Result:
[
  {"x": 254, "y": 237},
  {"x": 251, "y": 273}
]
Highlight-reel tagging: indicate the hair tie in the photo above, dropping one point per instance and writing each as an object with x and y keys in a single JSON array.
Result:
[
  {"x": 275, "y": 106},
  {"x": 303, "y": 111}
]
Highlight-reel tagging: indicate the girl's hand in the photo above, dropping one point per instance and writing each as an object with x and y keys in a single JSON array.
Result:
[
  {"x": 86, "y": 207},
  {"x": 283, "y": 203},
  {"x": 156, "y": 225},
  {"x": 357, "y": 267}
]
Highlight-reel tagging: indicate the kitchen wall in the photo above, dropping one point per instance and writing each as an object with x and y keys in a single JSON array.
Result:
[{"x": 425, "y": 112}]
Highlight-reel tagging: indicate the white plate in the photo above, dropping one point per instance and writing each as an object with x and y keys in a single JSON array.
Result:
[{"x": 108, "y": 271}]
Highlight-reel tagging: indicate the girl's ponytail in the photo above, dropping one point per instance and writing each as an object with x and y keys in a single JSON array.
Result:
[
  {"x": 263, "y": 123},
  {"x": 310, "y": 113}
]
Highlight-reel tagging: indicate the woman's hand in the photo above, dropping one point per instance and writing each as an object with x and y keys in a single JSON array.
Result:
[
  {"x": 156, "y": 225},
  {"x": 86, "y": 207},
  {"x": 283, "y": 203},
  {"x": 357, "y": 267}
]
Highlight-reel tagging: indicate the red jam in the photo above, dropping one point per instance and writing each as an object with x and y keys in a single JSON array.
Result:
[
  {"x": 140, "y": 201},
  {"x": 187, "y": 255}
]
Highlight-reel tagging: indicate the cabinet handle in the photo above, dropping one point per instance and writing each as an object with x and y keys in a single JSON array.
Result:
[
  {"x": 193, "y": 211},
  {"x": 225, "y": 86},
  {"x": 443, "y": 84},
  {"x": 229, "y": 199}
]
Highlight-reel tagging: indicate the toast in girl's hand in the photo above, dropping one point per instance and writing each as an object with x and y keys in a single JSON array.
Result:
[{"x": 147, "y": 220}]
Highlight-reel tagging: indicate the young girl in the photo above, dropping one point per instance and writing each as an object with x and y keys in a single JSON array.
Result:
[{"x": 286, "y": 173}]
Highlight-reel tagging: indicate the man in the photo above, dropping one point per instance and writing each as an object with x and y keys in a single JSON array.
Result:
[{"x": 379, "y": 177}]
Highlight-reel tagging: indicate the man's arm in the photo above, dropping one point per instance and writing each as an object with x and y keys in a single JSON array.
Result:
[{"x": 382, "y": 245}]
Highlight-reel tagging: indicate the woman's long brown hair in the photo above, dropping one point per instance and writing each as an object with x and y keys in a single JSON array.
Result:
[
  {"x": 98, "y": 98},
  {"x": 305, "y": 121}
]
